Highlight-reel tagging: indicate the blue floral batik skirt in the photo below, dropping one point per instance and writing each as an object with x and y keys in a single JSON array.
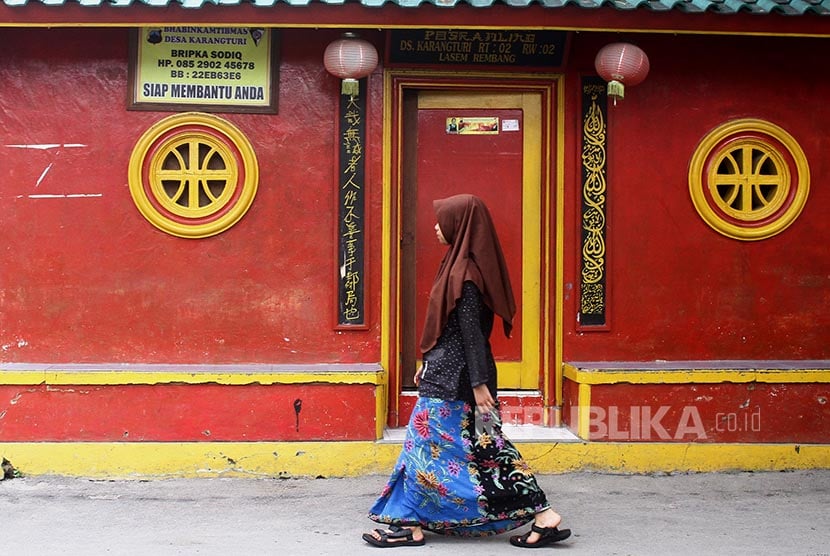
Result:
[{"x": 458, "y": 475}]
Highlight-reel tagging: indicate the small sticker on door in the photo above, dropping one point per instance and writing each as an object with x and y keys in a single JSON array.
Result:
[
  {"x": 510, "y": 125},
  {"x": 473, "y": 126}
]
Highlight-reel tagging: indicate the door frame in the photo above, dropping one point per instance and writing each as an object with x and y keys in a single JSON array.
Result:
[
  {"x": 522, "y": 374},
  {"x": 397, "y": 85}
]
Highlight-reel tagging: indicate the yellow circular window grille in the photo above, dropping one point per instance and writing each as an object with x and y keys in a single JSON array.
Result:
[
  {"x": 749, "y": 179},
  {"x": 193, "y": 175}
]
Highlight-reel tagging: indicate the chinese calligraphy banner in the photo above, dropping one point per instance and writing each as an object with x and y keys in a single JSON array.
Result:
[{"x": 351, "y": 189}]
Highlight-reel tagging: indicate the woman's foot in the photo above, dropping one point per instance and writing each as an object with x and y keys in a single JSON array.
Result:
[
  {"x": 543, "y": 532},
  {"x": 547, "y": 518},
  {"x": 395, "y": 536}
]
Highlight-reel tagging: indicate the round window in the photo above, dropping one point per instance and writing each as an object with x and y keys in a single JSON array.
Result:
[
  {"x": 193, "y": 175},
  {"x": 749, "y": 179}
]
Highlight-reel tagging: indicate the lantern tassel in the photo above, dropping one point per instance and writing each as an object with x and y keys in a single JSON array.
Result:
[
  {"x": 616, "y": 90},
  {"x": 350, "y": 87}
]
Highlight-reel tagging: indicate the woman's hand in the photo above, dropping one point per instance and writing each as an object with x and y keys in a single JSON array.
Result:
[
  {"x": 418, "y": 375},
  {"x": 484, "y": 400}
]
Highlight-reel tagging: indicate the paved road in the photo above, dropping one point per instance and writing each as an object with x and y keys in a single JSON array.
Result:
[{"x": 786, "y": 513}]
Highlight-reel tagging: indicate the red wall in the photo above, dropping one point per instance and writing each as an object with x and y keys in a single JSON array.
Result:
[
  {"x": 678, "y": 290},
  {"x": 90, "y": 280},
  {"x": 187, "y": 413},
  {"x": 725, "y": 412}
]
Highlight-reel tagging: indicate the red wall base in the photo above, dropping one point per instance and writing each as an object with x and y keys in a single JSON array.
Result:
[
  {"x": 187, "y": 413},
  {"x": 722, "y": 412}
]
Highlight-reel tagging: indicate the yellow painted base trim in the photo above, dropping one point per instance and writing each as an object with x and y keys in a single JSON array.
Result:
[
  {"x": 666, "y": 375},
  {"x": 583, "y": 426},
  {"x": 323, "y": 374},
  {"x": 344, "y": 459}
]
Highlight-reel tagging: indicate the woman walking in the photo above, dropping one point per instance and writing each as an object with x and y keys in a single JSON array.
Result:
[{"x": 457, "y": 473}]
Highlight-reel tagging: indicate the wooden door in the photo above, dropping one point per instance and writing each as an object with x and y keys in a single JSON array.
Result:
[{"x": 487, "y": 144}]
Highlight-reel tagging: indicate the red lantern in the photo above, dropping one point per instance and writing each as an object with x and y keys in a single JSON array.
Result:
[
  {"x": 350, "y": 58},
  {"x": 621, "y": 64}
]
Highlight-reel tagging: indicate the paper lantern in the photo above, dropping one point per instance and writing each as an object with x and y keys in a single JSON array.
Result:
[
  {"x": 350, "y": 58},
  {"x": 621, "y": 64}
]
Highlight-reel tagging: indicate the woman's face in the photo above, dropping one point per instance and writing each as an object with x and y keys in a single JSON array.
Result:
[{"x": 441, "y": 239}]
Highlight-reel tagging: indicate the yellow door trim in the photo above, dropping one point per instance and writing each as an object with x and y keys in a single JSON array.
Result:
[
  {"x": 524, "y": 374},
  {"x": 551, "y": 89}
]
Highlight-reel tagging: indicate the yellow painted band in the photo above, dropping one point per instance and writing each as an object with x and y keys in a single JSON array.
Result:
[
  {"x": 583, "y": 428},
  {"x": 118, "y": 378},
  {"x": 380, "y": 409},
  {"x": 532, "y": 197},
  {"x": 387, "y": 335},
  {"x": 348, "y": 459},
  {"x": 560, "y": 241},
  {"x": 693, "y": 376}
]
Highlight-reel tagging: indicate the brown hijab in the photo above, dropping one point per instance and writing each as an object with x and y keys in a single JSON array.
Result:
[{"x": 474, "y": 254}]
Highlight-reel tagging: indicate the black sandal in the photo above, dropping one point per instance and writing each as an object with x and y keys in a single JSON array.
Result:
[
  {"x": 547, "y": 535},
  {"x": 394, "y": 532}
]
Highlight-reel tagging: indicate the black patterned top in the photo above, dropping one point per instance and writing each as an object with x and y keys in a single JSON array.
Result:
[{"x": 461, "y": 358}]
